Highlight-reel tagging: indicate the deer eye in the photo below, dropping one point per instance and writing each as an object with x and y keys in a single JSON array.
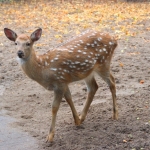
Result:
[
  {"x": 15, "y": 43},
  {"x": 27, "y": 44}
]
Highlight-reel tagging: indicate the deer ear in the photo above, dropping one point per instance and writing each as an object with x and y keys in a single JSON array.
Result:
[
  {"x": 11, "y": 35},
  {"x": 35, "y": 36}
]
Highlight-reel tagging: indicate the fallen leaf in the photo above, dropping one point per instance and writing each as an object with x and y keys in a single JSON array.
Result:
[
  {"x": 142, "y": 81},
  {"x": 58, "y": 36},
  {"x": 121, "y": 64},
  {"x": 125, "y": 141}
]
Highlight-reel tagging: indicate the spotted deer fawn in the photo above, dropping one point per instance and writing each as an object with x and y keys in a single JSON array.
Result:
[{"x": 77, "y": 59}]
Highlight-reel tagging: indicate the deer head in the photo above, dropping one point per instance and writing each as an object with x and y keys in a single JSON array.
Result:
[{"x": 23, "y": 42}]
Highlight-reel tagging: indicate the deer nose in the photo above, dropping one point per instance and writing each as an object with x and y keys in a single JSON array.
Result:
[{"x": 20, "y": 54}]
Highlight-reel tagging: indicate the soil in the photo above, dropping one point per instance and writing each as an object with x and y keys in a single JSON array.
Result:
[{"x": 30, "y": 103}]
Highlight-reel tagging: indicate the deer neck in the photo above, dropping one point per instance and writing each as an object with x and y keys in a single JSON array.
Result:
[{"x": 30, "y": 66}]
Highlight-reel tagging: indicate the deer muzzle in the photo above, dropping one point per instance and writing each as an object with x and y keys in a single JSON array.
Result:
[{"x": 20, "y": 54}]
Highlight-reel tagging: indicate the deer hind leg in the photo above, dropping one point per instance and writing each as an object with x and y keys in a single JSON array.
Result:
[
  {"x": 91, "y": 89},
  {"x": 109, "y": 79},
  {"x": 58, "y": 94},
  {"x": 74, "y": 112},
  {"x": 113, "y": 91}
]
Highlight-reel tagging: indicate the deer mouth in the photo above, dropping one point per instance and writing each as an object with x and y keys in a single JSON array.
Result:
[{"x": 20, "y": 54}]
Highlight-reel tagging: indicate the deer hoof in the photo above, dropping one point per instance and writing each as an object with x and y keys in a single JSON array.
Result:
[
  {"x": 81, "y": 119},
  {"x": 115, "y": 116},
  {"x": 50, "y": 138},
  {"x": 77, "y": 122}
]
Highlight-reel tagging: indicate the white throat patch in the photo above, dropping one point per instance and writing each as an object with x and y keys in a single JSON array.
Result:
[{"x": 21, "y": 61}]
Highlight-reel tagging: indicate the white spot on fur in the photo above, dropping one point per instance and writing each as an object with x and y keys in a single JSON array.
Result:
[
  {"x": 87, "y": 65},
  {"x": 94, "y": 62},
  {"x": 104, "y": 49},
  {"x": 83, "y": 64},
  {"x": 77, "y": 62},
  {"x": 46, "y": 63},
  {"x": 111, "y": 43},
  {"x": 62, "y": 77},
  {"x": 92, "y": 45},
  {"x": 54, "y": 69},
  {"x": 64, "y": 63},
  {"x": 81, "y": 41},
  {"x": 95, "y": 42},
  {"x": 99, "y": 39},
  {"x": 56, "y": 58}
]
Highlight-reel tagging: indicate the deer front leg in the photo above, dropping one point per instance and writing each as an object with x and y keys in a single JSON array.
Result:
[
  {"x": 74, "y": 112},
  {"x": 58, "y": 94},
  {"x": 91, "y": 88}
]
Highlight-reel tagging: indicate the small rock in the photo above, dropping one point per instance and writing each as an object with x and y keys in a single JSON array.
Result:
[
  {"x": 26, "y": 116},
  {"x": 2, "y": 77},
  {"x": 115, "y": 70},
  {"x": 117, "y": 81},
  {"x": 84, "y": 89},
  {"x": 130, "y": 77}
]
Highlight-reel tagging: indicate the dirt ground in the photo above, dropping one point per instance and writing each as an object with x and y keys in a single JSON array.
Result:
[{"x": 30, "y": 103}]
